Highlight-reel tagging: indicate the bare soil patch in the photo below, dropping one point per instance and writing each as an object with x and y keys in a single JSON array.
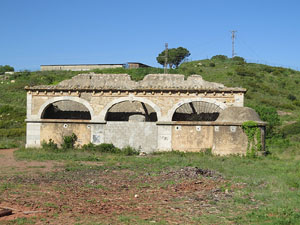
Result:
[
  {"x": 9, "y": 165},
  {"x": 109, "y": 196}
]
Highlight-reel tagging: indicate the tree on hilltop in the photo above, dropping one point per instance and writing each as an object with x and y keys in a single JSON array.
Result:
[
  {"x": 174, "y": 57},
  {"x": 6, "y": 68}
]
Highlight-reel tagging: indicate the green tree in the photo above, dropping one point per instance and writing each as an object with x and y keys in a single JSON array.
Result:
[
  {"x": 6, "y": 68},
  {"x": 174, "y": 58}
]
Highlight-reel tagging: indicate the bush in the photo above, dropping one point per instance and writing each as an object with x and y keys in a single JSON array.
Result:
[
  {"x": 291, "y": 97},
  {"x": 130, "y": 151},
  {"x": 104, "y": 147},
  {"x": 297, "y": 103},
  {"x": 14, "y": 132},
  {"x": 269, "y": 115},
  {"x": 219, "y": 57},
  {"x": 291, "y": 129},
  {"x": 244, "y": 71},
  {"x": 110, "y": 148},
  {"x": 69, "y": 141},
  {"x": 268, "y": 69},
  {"x": 211, "y": 64},
  {"x": 107, "y": 148},
  {"x": 88, "y": 147},
  {"x": 6, "y": 109},
  {"x": 51, "y": 145},
  {"x": 238, "y": 59}
]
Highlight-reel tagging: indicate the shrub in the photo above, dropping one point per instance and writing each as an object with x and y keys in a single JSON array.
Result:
[
  {"x": 88, "y": 147},
  {"x": 104, "y": 147},
  {"x": 244, "y": 71},
  {"x": 211, "y": 64},
  {"x": 291, "y": 97},
  {"x": 110, "y": 148},
  {"x": 291, "y": 129},
  {"x": 69, "y": 141},
  {"x": 297, "y": 103},
  {"x": 268, "y": 69},
  {"x": 238, "y": 59},
  {"x": 107, "y": 148},
  {"x": 276, "y": 73},
  {"x": 14, "y": 132},
  {"x": 51, "y": 145},
  {"x": 219, "y": 57},
  {"x": 130, "y": 151},
  {"x": 269, "y": 115}
]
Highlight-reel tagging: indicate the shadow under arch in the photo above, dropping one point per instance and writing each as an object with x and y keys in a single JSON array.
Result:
[
  {"x": 49, "y": 105},
  {"x": 104, "y": 113},
  {"x": 196, "y": 109}
]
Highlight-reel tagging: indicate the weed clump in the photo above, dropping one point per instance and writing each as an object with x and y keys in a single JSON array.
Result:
[
  {"x": 50, "y": 145},
  {"x": 69, "y": 141},
  {"x": 69, "y": 144},
  {"x": 106, "y": 148},
  {"x": 110, "y": 148}
]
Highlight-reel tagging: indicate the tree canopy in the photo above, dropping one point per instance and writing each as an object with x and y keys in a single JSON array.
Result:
[
  {"x": 6, "y": 68},
  {"x": 174, "y": 58}
]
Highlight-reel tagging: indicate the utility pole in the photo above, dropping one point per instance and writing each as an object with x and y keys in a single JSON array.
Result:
[
  {"x": 232, "y": 38},
  {"x": 166, "y": 58}
]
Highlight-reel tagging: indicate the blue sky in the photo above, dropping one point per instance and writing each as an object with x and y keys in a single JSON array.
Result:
[{"x": 35, "y": 32}]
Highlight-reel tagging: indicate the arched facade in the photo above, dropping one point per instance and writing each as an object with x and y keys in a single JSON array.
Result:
[
  {"x": 190, "y": 100},
  {"x": 148, "y": 126},
  {"x": 104, "y": 111},
  {"x": 64, "y": 98}
]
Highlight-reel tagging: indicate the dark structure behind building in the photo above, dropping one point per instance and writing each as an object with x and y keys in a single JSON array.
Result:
[{"x": 86, "y": 67}]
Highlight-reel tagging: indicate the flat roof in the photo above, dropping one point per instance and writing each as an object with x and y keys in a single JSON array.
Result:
[
  {"x": 170, "y": 82},
  {"x": 101, "y": 64}
]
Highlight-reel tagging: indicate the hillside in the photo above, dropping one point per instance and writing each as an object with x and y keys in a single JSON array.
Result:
[{"x": 270, "y": 90}]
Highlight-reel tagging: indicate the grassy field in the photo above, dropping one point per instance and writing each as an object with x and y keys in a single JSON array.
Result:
[
  {"x": 91, "y": 187},
  {"x": 164, "y": 188}
]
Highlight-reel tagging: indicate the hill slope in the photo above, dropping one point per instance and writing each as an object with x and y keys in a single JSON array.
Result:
[{"x": 270, "y": 89}]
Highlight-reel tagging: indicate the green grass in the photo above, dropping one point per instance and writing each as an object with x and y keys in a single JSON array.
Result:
[
  {"x": 270, "y": 186},
  {"x": 19, "y": 221}
]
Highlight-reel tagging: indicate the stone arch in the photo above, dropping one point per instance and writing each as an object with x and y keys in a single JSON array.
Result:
[
  {"x": 102, "y": 114},
  {"x": 189, "y": 100},
  {"x": 64, "y": 98}
]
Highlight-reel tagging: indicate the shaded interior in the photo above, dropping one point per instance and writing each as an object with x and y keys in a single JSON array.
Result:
[
  {"x": 123, "y": 111},
  {"x": 66, "y": 110},
  {"x": 197, "y": 111}
]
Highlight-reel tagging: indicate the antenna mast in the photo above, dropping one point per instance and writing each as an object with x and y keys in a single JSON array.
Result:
[
  {"x": 166, "y": 58},
  {"x": 232, "y": 38}
]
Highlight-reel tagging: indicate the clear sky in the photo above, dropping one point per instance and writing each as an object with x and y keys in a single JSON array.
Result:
[{"x": 35, "y": 32}]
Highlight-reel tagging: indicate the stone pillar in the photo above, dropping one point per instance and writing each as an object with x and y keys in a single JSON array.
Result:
[
  {"x": 164, "y": 134},
  {"x": 97, "y": 134},
  {"x": 33, "y": 135}
]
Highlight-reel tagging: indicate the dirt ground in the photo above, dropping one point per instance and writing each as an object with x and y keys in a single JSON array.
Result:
[
  {"x": 53, "y": 195},
  {"x": 8, "y": 164}
]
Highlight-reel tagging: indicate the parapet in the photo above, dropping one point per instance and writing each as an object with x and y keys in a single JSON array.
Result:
[{"x": 92, "y": 81}]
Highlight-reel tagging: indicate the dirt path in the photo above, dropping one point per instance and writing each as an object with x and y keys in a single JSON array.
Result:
[{"x": 9, "y": 165}]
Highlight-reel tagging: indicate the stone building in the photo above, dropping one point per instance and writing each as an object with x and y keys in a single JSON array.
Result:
[
  {"x": 162, "y": 112},
  {"x": 86, "y": 67}
]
